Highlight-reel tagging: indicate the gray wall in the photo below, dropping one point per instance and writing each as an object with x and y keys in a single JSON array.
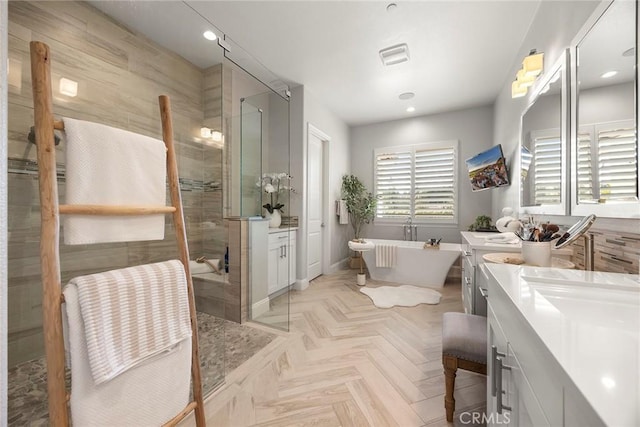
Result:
[
  {"x": 305, "y": 110},
  {"x": 553, "y": 29},
  {"x": 473, "y": 128}
]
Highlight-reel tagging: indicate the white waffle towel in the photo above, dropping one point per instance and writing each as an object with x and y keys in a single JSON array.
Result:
[
  {"x": 109, "y": 166},
  {"x": 149, "y": 394},
  {"x": 131, "y": 314},
  {"x": 341, "y": 211},
  {"x": 386, "y": 255}
]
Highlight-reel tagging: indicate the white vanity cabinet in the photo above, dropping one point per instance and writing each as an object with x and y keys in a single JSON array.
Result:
[
  {"x": 552, "y": 358},
  {"x": 281, "y": 263},
  {"x": 510, "y": 398},
  {"x": 474, "y": 247}
]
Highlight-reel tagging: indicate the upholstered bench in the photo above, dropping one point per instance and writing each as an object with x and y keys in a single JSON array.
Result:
[{"x": 464, "y": 346}]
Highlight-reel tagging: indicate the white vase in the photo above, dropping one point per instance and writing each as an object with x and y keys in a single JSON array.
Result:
[{"x": 274, "y": 218}]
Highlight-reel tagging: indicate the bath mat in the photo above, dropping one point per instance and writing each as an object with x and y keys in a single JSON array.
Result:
[{"x": 405, "y": 295}]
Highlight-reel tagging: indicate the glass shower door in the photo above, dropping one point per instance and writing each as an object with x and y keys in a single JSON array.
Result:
[{"x": 265, "y": 199}]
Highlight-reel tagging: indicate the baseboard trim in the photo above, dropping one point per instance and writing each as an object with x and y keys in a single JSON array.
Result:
[
  {"x": 340, "y": 265},
  {"x": 300, "y": 285},
  {"x": 259, "y": 308}
]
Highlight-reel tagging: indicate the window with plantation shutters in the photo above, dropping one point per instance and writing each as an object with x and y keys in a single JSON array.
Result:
[
  {"x": 585, "y": 165},
  {"x": 547, "y": 175},
  {"x": 617, "y": 161},
  {"x": 607, "y": 162},
  {"x": 417, "y": 181},
  {"x": 394, "y": 172}
]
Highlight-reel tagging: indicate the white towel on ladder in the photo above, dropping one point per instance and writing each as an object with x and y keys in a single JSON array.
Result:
[
  {"x": 150, "y": 391},
  {"x": 109, "y": 166},
  {"x": 386, "y": 255}
]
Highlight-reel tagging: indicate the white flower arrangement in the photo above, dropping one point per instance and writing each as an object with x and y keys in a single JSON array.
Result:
[{"x": 273, "y": 184}]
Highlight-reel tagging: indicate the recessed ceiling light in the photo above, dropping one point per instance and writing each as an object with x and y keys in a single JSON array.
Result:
[
  {"x": 209, "y": 35},
  {"x": 391, "y": 7},
  {"x": 609, "y": 74},
  {"x": 406, "y": 95},
  {"x": 629, "y": 52},
  {"x": 411, "y": 109}
]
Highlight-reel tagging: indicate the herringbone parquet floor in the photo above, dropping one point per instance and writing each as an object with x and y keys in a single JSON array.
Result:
[{"x": 347, "y": 363}]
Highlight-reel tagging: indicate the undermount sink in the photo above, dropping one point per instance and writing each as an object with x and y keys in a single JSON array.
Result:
[
  {"x": 608, "y": 308},
  {"x": 582, "y": 279}
]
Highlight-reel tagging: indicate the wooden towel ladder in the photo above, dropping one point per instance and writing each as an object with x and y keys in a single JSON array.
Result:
[{"x": 49, "y": 243}]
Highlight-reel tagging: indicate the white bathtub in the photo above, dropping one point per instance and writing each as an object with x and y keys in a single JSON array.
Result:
[{"x": 414, "y": 265}]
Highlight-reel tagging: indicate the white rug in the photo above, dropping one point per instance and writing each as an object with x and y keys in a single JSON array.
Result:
[{"x": 405, "y": 295}]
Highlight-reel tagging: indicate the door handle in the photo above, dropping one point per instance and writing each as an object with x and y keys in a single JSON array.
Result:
[
  {"x": 322, "y": 224},
  {"x": 285, "y": 250}
]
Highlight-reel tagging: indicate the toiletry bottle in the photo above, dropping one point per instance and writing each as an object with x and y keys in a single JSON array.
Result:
[{"x": 226, "y": 260}]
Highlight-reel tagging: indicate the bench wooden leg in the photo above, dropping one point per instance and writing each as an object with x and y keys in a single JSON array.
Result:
[{"x": 450, "y": 364}]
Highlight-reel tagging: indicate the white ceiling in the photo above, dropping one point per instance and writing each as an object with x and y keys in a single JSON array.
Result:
[{"x": 461, "y": 51}]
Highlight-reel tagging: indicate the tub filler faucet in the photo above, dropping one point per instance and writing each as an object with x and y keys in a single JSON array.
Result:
[{"x": 410, "y": 230}]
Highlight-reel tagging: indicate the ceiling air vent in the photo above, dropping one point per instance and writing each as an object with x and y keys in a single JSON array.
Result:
[{"x": 395, "y": 54}]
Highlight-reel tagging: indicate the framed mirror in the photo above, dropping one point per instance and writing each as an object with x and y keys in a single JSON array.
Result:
[
  {"x": 604, "y": 152},
  {"x": 543, "y": 144}
]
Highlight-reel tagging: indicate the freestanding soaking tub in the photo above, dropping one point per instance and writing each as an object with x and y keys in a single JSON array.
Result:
[{"x": 414, "y": 265}]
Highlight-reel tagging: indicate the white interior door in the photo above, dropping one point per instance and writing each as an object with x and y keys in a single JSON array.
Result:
[{"x": 314, "y": 206}]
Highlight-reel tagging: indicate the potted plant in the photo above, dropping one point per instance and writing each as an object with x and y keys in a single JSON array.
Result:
[
  {"x": 482, "y": 223},
  {"x": 272, "y": 185},
  {"x": 361, "y": 204}
]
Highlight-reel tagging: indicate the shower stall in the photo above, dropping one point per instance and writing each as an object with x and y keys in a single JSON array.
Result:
[
  {"x": 106, "y": 73},
  {"x": 106, "y": 68}
]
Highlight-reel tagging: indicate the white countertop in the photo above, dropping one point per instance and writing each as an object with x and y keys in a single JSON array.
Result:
[
  {"x": 478, "y": 241},
  {"x": 590, "y": 322}
]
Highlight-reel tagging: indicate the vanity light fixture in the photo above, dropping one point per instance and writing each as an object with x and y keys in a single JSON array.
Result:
[
  {"x": 209, "y": 35},
  {"x": 532, "y": 67},
  {"x": 533, "y": 64},
  {"x": 517, "y": 90},
  {"x": 609, "y": 74},
  {"x": 411, "y": 109},
  {"x": 524, "y": 79},
  {"x": 68, "y": 87}
]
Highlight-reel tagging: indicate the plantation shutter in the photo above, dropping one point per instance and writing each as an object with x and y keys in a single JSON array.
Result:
[
  {"x": 394, "y": 172},
  {"x": 434, "y": 183},
  {"x": 547, "y": 177},
  {"x": 617, "y": 163},
  {"x": 585, "y": 167}
]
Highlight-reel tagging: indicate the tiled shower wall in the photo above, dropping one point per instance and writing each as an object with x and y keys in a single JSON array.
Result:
[{"x": 120, "y": 75}]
